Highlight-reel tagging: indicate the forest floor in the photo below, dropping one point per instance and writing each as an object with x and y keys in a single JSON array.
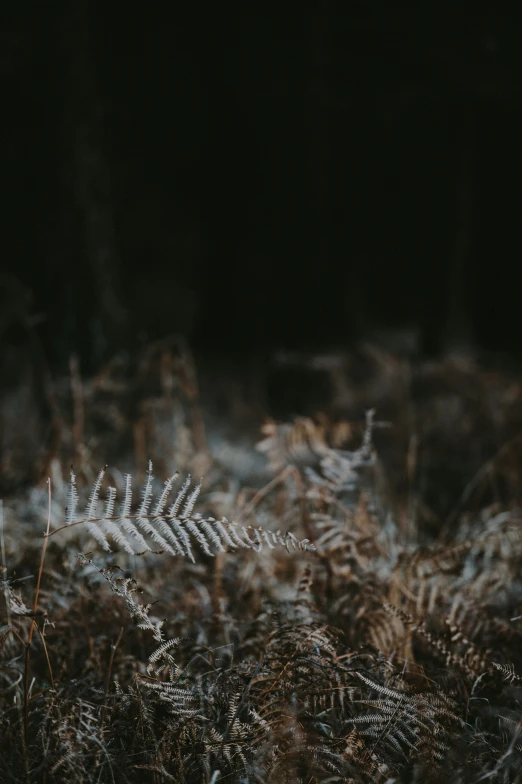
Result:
[{"x": 330, "y": 591}]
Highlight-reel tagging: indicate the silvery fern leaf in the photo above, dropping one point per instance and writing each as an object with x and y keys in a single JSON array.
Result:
[{"x": 174, "y": 531}]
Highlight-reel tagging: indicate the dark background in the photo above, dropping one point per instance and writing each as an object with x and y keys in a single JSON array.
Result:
[{"x": 281, "y": 177}]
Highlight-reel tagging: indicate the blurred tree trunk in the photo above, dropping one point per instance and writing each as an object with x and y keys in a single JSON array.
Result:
[
  {"x": 91, "y": 316},
  {"x": 319, "y": 105},
  {"x": 458, "y": 327}
]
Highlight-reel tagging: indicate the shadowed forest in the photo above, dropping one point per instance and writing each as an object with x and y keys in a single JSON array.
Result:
[{"x": 261, "y": 394}]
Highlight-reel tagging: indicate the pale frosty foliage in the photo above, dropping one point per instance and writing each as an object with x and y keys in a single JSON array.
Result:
[{"x": 173, "y": 528}]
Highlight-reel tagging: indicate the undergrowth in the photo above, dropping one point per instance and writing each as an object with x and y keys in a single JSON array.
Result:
[{"x": 319, "y": 635}]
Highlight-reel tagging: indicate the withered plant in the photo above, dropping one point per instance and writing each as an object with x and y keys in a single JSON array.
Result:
[{"x": 321, "y": 635}]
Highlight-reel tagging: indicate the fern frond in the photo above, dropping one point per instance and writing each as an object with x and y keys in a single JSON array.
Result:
[
  {"x": 72, "y": 500},
  {"x": 174, "y": 509},
  {"x": 507, "y": 671},
  {"x": 94, "y": 495},
  {"x": 191, "y": 501},
  {"x": 162, "y": 656},
  {"x": 162, "y": 500},
  {"x": 110, "y": 501},
  {"x": 163, "y": 649},
  {"x": 146, "y": 493},
  {"x": 173, "y": 532},
  {"x": 126, "y": 503}
]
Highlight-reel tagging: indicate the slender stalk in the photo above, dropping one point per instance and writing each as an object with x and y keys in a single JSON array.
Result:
[
  {"x": 4, "y": 562},
  {"x": 46, "y": 652},
  {"x": 33, "y": 622},
  {"x": 109, "y": 673}
]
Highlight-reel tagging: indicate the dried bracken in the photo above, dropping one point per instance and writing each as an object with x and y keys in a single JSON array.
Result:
[{"x": 316, "y": 638}]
